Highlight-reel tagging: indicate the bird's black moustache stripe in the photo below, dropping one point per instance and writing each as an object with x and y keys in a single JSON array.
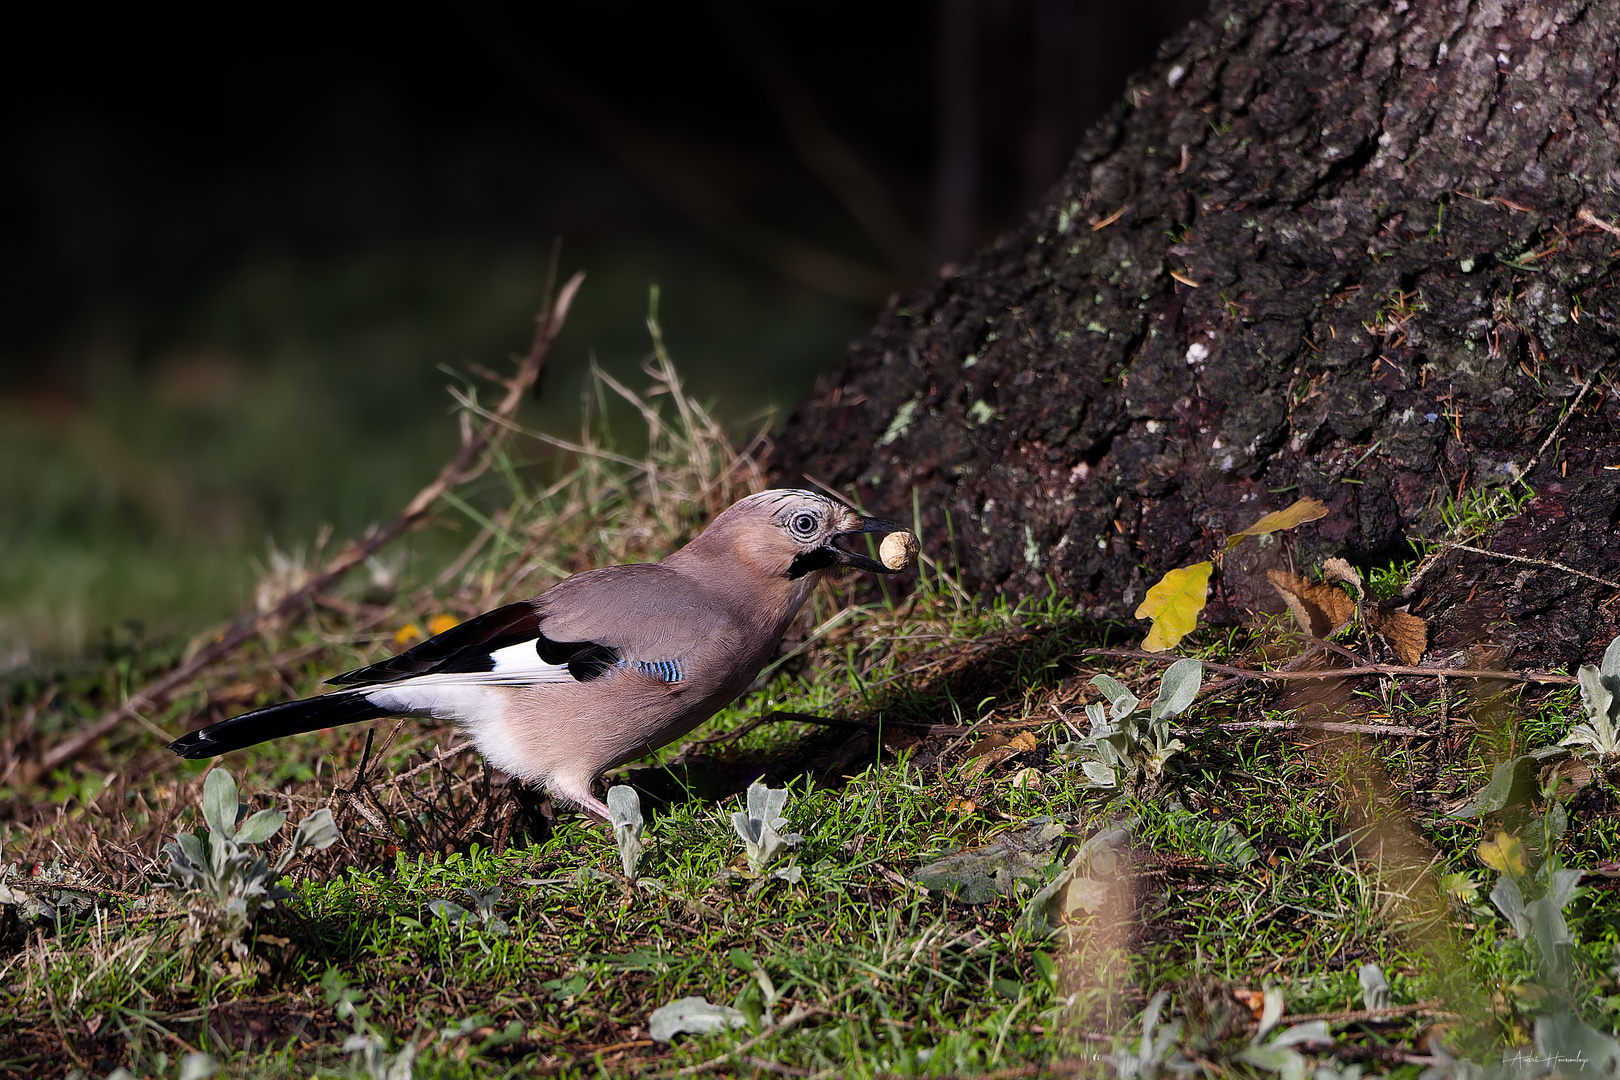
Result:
[{"x": 810, "y": 561}]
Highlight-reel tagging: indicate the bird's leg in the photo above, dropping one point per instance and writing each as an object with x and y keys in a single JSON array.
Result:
[{"x": 573, "y": 789}]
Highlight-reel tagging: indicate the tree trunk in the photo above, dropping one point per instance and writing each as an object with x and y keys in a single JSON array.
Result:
[{"x": 1362, "y": 252}]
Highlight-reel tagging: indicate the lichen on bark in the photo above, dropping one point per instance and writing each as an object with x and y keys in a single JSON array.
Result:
[{"x": 1359, "y": 252}]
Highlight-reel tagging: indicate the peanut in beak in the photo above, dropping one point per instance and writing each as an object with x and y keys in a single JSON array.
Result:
[{"x": 898, "y": 550}]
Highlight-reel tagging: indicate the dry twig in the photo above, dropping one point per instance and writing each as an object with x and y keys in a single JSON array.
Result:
[
  {"x": 1548, "y": 563},
  {"x": 474, "y": 456},
  {"x": 1535, "y": 459},
  {"x": 1331, "y": 727},
  {"x": 1362, "y": 1016}
]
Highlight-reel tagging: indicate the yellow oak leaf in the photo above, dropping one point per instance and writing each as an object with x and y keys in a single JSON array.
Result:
[
  {"x": 1173, "y": 605},
  {"x": 1299, "y": 513},
  {"x": 1505, "y": 854}
]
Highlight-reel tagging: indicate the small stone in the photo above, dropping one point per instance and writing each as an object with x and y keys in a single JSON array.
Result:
[{"x": 898, "y": 550}]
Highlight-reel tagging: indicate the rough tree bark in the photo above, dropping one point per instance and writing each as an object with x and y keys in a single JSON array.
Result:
[{"x": 1363, "y": 252}]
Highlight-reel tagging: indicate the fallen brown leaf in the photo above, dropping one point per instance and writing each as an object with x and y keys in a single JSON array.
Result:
[
  {"x": 1026, "y": 780},
  {"x": 1336, "y": 569},
  {"x": 1407, "y": 634},
  {"x": 995, "y": 749},
  {"x": 987, "y": 744},
  {"x": 1320, "y": 609}
]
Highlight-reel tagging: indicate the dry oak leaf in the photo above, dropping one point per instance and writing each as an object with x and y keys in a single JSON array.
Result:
[
  {"x": 1407, "y": 634},
  {"x": 1337, "y": 569},
  {"x": 1320, "y": 609},
  {"x": 1175, "y": 602},
  {"x": 1173, "y": 605},
  {"x": 1253, "y": 1000},
  {"x": 996, "y": 749},
  {"x": 1029, "y": 779}
]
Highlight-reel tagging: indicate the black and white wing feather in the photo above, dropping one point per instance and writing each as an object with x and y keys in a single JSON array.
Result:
[
  {"x": 644, "y": 618},
  {"x": 504, "y": 646}
]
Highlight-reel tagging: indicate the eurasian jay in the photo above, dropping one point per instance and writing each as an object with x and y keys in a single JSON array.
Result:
[{"x": 607, "y": 665}]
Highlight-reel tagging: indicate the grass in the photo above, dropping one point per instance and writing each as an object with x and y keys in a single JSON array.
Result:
[{"x": 1264, "y": 859}]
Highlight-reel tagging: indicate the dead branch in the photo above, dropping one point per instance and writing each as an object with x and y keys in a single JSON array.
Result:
[
  {"x": 1548, "y": 563},
  {"x": 1434, "y": 1007},
  {"x": 1332, "y": 727},
  {"x": 1535, "y": 459},
  {"x": 476, "y": 452}
]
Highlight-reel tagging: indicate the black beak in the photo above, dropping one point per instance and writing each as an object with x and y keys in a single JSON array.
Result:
[{"x": 846, "y": 557}]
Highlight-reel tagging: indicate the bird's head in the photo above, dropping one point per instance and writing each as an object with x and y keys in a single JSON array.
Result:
[{"x": 789, "y": 533}]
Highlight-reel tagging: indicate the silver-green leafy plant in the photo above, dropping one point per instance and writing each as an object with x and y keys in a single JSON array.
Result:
[
  {"x": 692, "y": 1015},
  {"x": 1150, "y": 1058},
  {"x": 46, "y": 896},
  {"x": 194, "y": 1066},
  {"x": 754, "y": 1008},
  {"x": 1127, "y": 745},
  {"x": 1561, "y": 1038},
  {"x": 367, "y": 1046},
  {"x": 1278, "y": 1054},
  {"x": 198, "y": 1066},
  {"x": 1533, "y": 887},
  {"x": 760, "y": 827},
  {"x": 625, "y": 807},
  {"x": 1077, "y": 886},
  {"x": 1374, "y": 987},
  {"x": 369, "y": 1054},
  {"x": 1532, "y": 897},
  {"x": 1160, "y": 1052},
  {"x": 224, "y": 880},
  {"x": 485, "y": 911},
  {"x": 1600, "y": 696}
]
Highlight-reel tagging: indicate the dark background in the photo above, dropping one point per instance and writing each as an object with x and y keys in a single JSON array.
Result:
[{"x": 234, "y": 245}]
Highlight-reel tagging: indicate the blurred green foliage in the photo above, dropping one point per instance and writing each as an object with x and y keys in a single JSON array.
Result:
[{"x": 147, "y": 469}]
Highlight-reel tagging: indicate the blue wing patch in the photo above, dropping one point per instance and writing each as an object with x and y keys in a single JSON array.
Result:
[{"x": 670, "y": 671}]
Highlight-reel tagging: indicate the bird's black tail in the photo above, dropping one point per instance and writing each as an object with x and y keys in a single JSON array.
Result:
[{"x": 289, "y": 718}]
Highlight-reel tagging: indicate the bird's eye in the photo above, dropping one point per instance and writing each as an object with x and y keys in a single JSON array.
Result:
[{"x": 804, "y": 525}]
